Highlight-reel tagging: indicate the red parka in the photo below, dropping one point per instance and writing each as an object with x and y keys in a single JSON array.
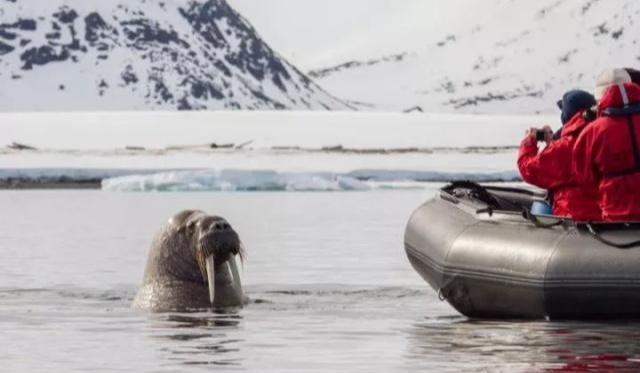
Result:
[
  {"x": 607, "y": 154},
  {"x": 552, "y": 169}
]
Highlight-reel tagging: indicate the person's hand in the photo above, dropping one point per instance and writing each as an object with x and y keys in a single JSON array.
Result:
[{"x": 531, "y": 133}]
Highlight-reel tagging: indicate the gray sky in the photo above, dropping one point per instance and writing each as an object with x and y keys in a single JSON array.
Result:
[{"x": 318, "y": 33}]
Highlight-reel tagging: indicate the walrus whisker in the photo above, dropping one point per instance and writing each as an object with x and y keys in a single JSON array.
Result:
[{"x": 242, "y": 252}]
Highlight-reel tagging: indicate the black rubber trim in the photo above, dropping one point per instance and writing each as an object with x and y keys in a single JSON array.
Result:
[
  {"x": 511, "y": 190},
  {"x": 622, "y": 112}
]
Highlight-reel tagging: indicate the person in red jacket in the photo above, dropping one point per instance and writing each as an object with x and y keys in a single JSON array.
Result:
[
  {"x": 551, "y": 168},
  {"x": 607, "y": 152}
]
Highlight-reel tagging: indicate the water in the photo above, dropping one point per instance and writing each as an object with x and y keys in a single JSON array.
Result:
[{"x": 331, "y": 287}]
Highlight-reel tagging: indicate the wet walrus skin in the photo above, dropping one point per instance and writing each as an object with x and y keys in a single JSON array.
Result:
[{"x": 175, "y": 277}]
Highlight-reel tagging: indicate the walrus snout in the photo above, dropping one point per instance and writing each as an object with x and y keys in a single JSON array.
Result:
[
  {"x": 218, "y": 245},
  {"x": 222, "y": 244}
]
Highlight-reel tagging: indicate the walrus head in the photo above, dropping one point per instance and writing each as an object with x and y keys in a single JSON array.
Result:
[{"x": 216, "y": 245}]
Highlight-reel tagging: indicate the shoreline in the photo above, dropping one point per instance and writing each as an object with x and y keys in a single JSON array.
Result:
[{"x": 23, "y": 184}]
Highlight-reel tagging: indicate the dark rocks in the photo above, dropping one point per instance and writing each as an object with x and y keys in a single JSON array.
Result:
[
  {"x": 617, "y": 34},
  {"x": 22, "y": 24},
  {"x": 160, "y": 89},
  {"x": 272, "y": 103},
  {"x": 201, "y": 16},
  {"x": 8, "y": 32},
  {"x": 42, "y": 56},
  {"x": 601, "y": 29},
  {"x": 587, "y": 6},
  {"x": 5, "y": 48},
  {"x": 449, "y": 39},
  {"x": 222, "y": 68},
  {"x": 66, "y": 15},
  {"x": 53, "y": 36},
  {"x": 142, "y": 32},
  {"x": 414, "y": 109},
  {"x": 4, "y": 34},
  {"x": 491, "y": 97},
  {"x": 253, "y": 55},
  {"x": 205, "y": 90},
  {"x": 184, "y": 104},
  {"x": 96, "y": 28},
  {"x": 323, "y": 73},
  {"x": 26, "y": 25},
  {"x": 129, "y": 76}
]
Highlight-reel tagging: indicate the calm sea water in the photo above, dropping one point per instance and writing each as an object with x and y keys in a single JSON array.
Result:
[{"x": 331, "y": 286}]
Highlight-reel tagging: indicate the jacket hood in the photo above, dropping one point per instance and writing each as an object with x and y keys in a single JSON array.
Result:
[{"x": 619, "y": 96}]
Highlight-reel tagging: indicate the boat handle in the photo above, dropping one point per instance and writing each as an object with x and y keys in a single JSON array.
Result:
[{"x": 597, "y": 236}]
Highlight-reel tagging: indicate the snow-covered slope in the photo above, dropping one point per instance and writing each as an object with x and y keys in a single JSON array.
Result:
[
  {"x": 143, "y": 54},
  {"x": 514, "y": 56}
]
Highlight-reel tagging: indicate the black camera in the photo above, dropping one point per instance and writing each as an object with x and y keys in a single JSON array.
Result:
[
  {"x": 590, "y": 115},
  {"x": 541, "y": 135}
]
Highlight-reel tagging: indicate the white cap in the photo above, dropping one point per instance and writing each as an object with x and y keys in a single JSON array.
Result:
[{"x": 608, "y": 78}]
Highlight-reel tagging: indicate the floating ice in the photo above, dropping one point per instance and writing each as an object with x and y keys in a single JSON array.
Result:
[
  {"x": 247, "y": 180},
  {"x": 233, "y": 180}
]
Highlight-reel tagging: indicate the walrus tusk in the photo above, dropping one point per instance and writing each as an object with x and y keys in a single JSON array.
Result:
[
  {"x": 236, "y": 275},
  {"x": 211, "y": 277}
]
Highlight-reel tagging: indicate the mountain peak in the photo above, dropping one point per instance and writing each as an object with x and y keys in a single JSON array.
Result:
[{"x": 145, "y": 54}]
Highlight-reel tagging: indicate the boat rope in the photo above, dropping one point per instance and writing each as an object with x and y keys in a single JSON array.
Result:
[
  {"x": 497, "y": 203},
  {"x": 479, "y": 192},
  {"x": 595, "y": 234},
  {"x": 441, "y": 292}
]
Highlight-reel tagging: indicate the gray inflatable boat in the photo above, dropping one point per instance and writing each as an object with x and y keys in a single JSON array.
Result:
[{"x": 485, "y": 254}]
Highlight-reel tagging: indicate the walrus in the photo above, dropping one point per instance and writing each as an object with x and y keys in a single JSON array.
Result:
[{"x": 192, "y": 266}]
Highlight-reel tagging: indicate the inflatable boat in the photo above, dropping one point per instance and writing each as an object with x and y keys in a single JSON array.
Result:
[{"x": 487, "y": 255}]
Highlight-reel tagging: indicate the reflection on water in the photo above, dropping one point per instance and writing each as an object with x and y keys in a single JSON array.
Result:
[
  {"x": 460, "y": 344},
  {"x": 218, "y": 319},
  {"x": 197, "y": 338}
]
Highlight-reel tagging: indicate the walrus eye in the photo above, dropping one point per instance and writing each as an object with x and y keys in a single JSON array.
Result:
[{"x": 190, "y": 227}]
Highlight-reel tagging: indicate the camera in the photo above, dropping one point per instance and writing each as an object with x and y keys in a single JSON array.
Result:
[
  {"x": 590, "y": 115},
  {"x": 541, "y": 135}
]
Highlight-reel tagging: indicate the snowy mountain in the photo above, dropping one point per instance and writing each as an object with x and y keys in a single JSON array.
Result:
[
  {"x": 510, "y": 57},
  {"x": 143, "y": 54}
]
